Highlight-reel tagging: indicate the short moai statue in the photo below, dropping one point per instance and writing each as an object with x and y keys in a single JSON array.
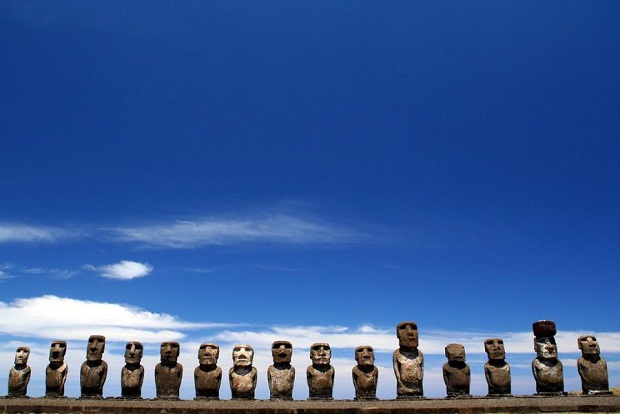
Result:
[
  {"x": 546, "y": 367},
  {"x": 19, "y": 375},
  {"x": 281, "y": 375},
  {"x": 320, "y": 374},
  {"x": 242, "y": 375},
  {"x": 456, "y": 372},
  {"x": 94, "y": 370},
  {"x": 207, "y": 375},
  {"x": 132, "y": 374},
  {"x": 56, "y": 371},
  {"x": 408, "y": 362},
  {"x": 365, "y": 373},
  {"x": 169, "y": 372},
  {"x": 497, "y": 370},
  {"x": 592, "y": 367}
]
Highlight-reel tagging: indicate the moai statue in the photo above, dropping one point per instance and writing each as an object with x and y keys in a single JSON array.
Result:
[
  {"x": 320, "y": 374},
  {"x": 456, "y": 372},
  {"x": 56, "y": 372},
  {"x": 207, "y": 375},
  {"x": 242, "y": 376},
  {"x": 281, "y": 375},
  {"x": 94, "y": 370},
  {"x": 497, "y": 370},
  {"x": 19, "y": 375},
  {"x": 168, "y": 373},
  {"x": 546, "y": 367},
  {"x": 592, "y": 367},
  {"x": 408, "y": 362},
  {"x": 365, "y": 373},
  {"x": 132, "y": 374}
]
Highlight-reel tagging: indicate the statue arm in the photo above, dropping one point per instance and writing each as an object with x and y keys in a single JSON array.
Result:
[
  {"x": 254, "y": 377},
  {"x": 104, "y": 372},
  {"x": 396, "y": 365}
]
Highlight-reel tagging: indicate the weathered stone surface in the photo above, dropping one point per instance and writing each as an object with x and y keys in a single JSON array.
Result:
[
  {"x": 320, "y": 374},
  {"x": 365, "y": 373},
  {"x": 546, "y": 367},
  {"x": 497, "y": 370},
  {"x": 242, "y": 376},
  {"x": 281, "y": 375},
  {"x": 207, "y": 375},
  {"x": 592, "y": 367},
  {"x": 19, "y": 375},
  {"x": 94, "y": 370},
  {"x": 456, "y": 372},
  {"x": 168, "y": 373},
  {"x": 56, "y": 372},
  {"x": 132, "y": 374},
  {"x": 408, "y": 362}
]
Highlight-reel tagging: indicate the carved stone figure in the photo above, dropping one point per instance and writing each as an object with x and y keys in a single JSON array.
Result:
[
  {"x": 456, "y": 372},
  {"x": 546, "y": 367},
  {"x": 94, "y": 370},
  {"x": 56, "y": 372},
  {"x": 168, "y": 373},
  {"x": 242, "y": 376},
  {"x": 19, "y": 375},
  {"x": 132, "y": 374},
  {"x": 207, "y": 375},
  {"x": 365, "y": 373},
  {"x": 497, "y": 370},
  {"x": 281, "y": 375},
  {"x": 320, "y": 374},
  {"x": 592, "y": 367},
  {"x": 408, "y": 362}
]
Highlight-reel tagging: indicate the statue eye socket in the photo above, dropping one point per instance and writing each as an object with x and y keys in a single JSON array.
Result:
[
  {"x": 128, "y": 346},
  {"x": 316, "y": 348}
]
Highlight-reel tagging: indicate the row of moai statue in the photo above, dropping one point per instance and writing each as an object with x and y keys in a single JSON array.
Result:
[{"x": 408, "y": 363}]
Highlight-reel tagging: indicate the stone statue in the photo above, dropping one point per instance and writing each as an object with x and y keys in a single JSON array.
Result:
[
  {"x": 242, "y": 376},
  {"x": 94, "y": 370},
  {"x": 19, "y": 375},
  {"x": 365, "y": 373},
  {"x": 132, "y": 374},
  {"x": 408, "y": 362},
  {"x": 546, "y": 367},
  {"x": 281, "y": 375},
  {"x": 207, "y": 375},
  {"x": 592, "y": 367},
  {"x": 456, "y": 372},
  {"x": 320, "y": 374},
  {"x": 56, "y": 372},
  {"x": 168, "y": 373},
  {"x": 497, "y": 370}
]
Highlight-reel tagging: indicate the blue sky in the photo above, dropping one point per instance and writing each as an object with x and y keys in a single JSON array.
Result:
[{"x": 246, "y": 171}]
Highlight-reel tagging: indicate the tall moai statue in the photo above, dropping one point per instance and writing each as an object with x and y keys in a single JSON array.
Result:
[
  {"x": 592, "y": 367},
  {"x": 207, "y": 375},
  {"x": 19, "y": 375},
  {"x": 546, "y": 367},
  {"x": 243, "y": 376},
  {"x": 456, "y": 372},
  {"x": 408, "y": 362},
  {"x": 281, "y": 375},
  {"x": 321, "y": 373},
  {"x": 94, "y": 370},
  {"x": 56, "y": 371},
  {"x": 497, "y": 370},
  {"x": 365, "y": 373},
  {"x": 132, "y": 374},
  {"x": 169, "y": 372}
]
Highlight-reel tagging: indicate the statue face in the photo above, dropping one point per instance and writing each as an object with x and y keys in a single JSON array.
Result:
[
  {"x": 96, "y": 346},
  {"x": 133, "y": 352},
  {"x": 588, "y": 345},
  {"x": 57, "y": 351},
  {"x": 546, "y": 348},
  {"x": 242, "y": 355},
  {"x": 282, "y": 352},
  {"x": 21, "y": 355},
  {"x": 365, "y": 355},
  {"x": 169, "y": 352},
  {"x": 494, "y": 348},
  {"x": 407, "y": 333},
  {"x": 320, "y": 353},
  {"x": 208, "y": 354},
  {"x": 455, "y": 353}
]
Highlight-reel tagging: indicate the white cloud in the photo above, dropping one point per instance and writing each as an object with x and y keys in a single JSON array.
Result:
[
  {"x": 123, "y": 270},
  {"x": 29, "y": 234},
  {"x": 5, "y": 276},
  {"x": 55, "y": 273}
]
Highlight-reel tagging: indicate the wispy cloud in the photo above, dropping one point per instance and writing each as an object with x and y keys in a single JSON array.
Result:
[
  {"x": 55, "y": 273},
  {"x": 123, "y": 270},
  {"x": 21, "y": 233},
  {"x": 5, "y": 276}
]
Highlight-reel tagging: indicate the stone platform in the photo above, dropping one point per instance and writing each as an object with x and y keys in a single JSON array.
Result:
[{"x": 520, "y": 404}]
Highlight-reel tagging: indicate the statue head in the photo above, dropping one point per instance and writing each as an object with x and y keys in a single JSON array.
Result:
[
  {"x": 208, "y": 354},
  {"x": 588, "y": 345},
  {"x": 96, "y": 347},
  {"x": 494, "y": 348},
  {"x": 407, "y": 333},
  {"x": 320, "y": 353},
  {"x": 282, "y": 352},
  {"x": 21, "y": 355},
  {"x": 133, "y": 353},
  {"x": 365, "y": 355},
  {"x": 455, "y": 353},
  {"x": 545, "y": 347},
  {"x": 57, "y": 351},
  {"x": 242, "y": 355},
  {"x": 169, "y": 352}
]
